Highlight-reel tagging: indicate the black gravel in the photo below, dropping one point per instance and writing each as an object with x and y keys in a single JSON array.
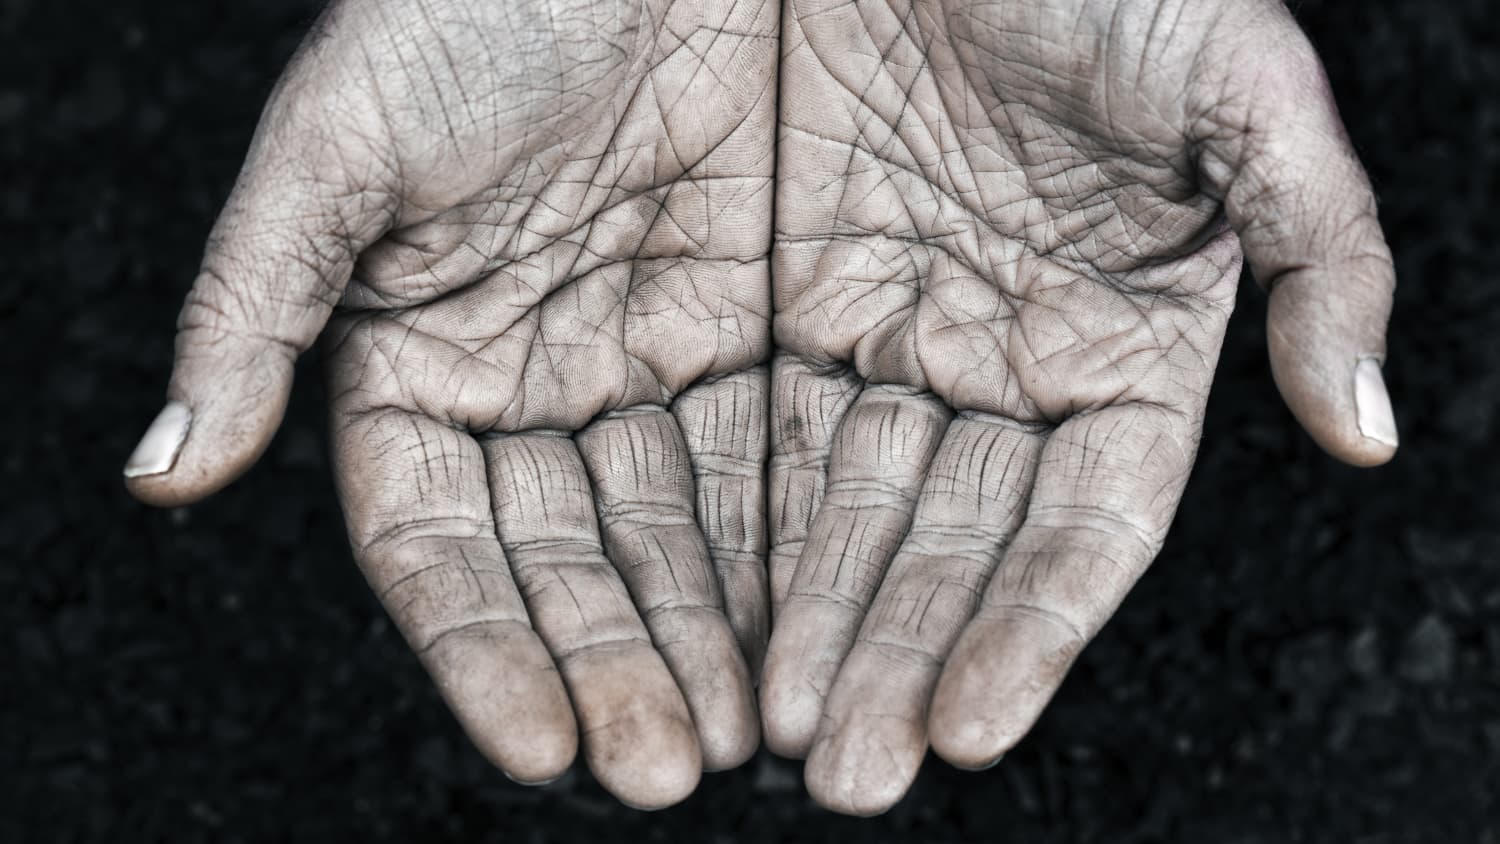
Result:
[{"x": 1314, "y": 657}]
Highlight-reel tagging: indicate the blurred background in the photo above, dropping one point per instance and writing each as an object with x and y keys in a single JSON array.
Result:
[{"x": 1314, "y": 657}]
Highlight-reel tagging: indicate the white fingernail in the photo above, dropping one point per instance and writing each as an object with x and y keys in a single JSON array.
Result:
[
  {"x": 158, "y": 448},
  {"x": 1372, "y": 404}
]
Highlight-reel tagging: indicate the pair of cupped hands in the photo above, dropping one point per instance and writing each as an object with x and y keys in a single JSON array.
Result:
[{"x": 824, "y": 371}]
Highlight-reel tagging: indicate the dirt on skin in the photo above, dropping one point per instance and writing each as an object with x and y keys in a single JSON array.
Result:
[{"x": 1314, "y": 657}]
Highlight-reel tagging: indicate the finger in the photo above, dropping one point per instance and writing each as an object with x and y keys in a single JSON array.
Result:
[
  {"x": 1276, "y": 152},
  {"x": 724, "y": 429},
  {"x": 807, "y": 403},
  {"x": 277, "y": 260},
  {"x": 417, "y": 507},
  {"x": 879, "y": 457},
  {"x": 638, "y": 734},
  {"x": 874, "y": 730},
  {"x": 643, "y": 488},
  {"x": 1105, "y": 491}
]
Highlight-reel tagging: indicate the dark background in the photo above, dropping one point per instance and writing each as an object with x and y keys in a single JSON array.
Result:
[{"x": 1314, "y": 657}]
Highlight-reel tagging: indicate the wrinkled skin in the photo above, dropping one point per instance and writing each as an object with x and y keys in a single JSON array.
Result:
[
  {"x": 1005, "y": 254},
  {"x": 537, "y": 241},
  {"x": 541, "y": 233}
]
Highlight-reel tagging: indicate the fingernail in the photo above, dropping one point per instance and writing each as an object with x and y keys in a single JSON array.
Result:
[
  {"x": 1372, "y": 404},
  {"x": 158, "y": 448},
  {"x": 530, "y": 783}
]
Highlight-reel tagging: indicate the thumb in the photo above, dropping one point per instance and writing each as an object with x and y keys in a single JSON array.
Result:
[
  {"x": 1303, "y": 208},
  {"x": 277, "y": 261}
]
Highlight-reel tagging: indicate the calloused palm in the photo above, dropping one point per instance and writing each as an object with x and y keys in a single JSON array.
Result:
[
  {"x": 540, "y": 231},
  {"x": 1007, "y": 243}
]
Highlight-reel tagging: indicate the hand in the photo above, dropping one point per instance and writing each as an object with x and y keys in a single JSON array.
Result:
[
  {"x": 1005, "y": 254},
  {"x": 544, "y": 370}
]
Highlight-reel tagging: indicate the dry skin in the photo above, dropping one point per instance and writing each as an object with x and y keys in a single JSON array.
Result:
[{"x": 538, "y": 243}]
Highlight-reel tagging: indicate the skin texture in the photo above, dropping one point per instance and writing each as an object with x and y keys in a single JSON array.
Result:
[
  {"x": 534, "y": 240},
  {"x": 537, "y": 242},
  {"x": 1008, "y": 237}
]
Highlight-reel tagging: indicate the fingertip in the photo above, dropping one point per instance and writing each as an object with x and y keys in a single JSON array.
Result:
[
  {"x": 647, "y": 758},
  {"x": 997, "y": 682},
  {"x": 1344, "y": 406},
  {"x": 716, "y": 685},
  {"x": 809, "y": 644},
  {"x": 638, "y": 735},
  {"x": 789, "y": 711},
  {"x": 845, "y": 775},
  {"x": 550, "y": 745},
  {"x": 222, "y": 415},
  {"x": 508, "y": 697},
  {"x": 968, "y": 742},
  {"x": 961, "y": 728},
  {"x": 729, "y": 734},
  {"x": 663, "y": 782},
  {"x": 864, "y": 764},
  {"x": 1326, "y": 344},
  {"x": 729, "y": 747},
  {"x": 204, "y": 462},
  {"x": 801, "y": 663}
]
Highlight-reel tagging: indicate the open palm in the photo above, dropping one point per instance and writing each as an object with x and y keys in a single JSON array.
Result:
[
  {"x": 1007, "y": 243},
  {"x": 534, "y": 238},
  {"x": 539, "y": 230}
]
